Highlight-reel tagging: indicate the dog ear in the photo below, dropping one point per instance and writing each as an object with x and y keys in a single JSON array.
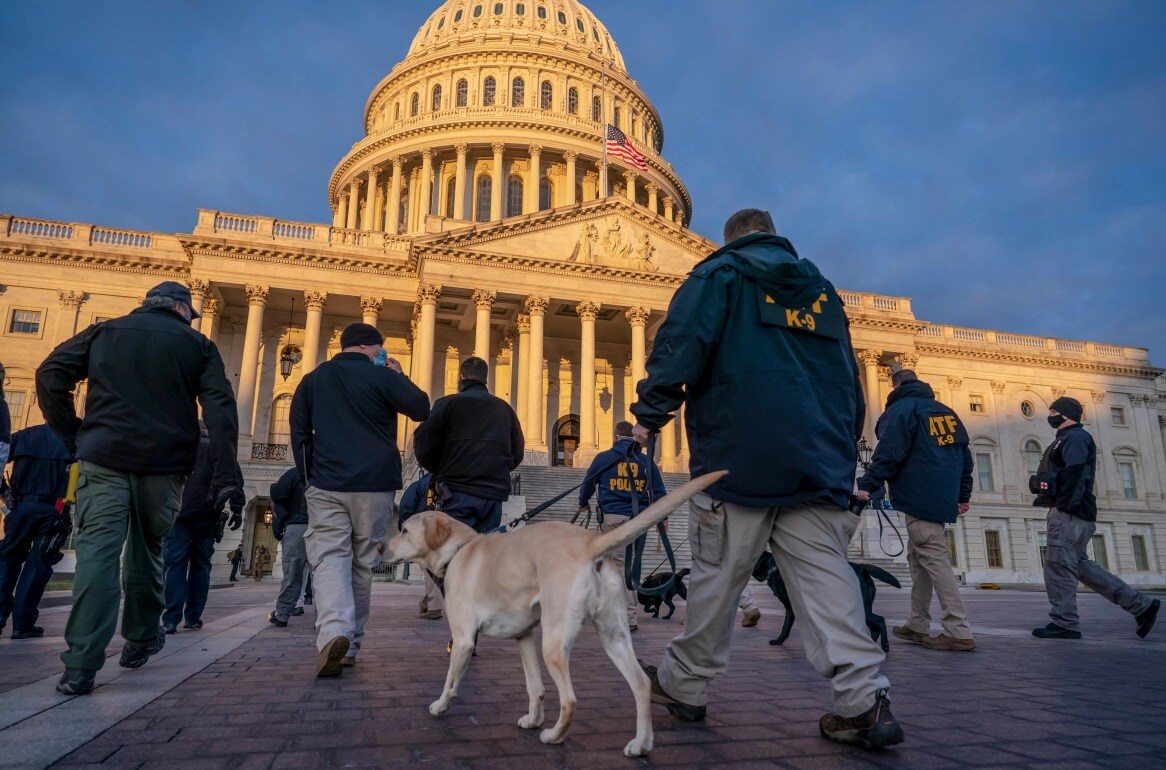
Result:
[{"x": 436, "y": 532}]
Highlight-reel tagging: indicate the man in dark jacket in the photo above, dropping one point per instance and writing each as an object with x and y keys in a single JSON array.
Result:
[
  {"x": 190, "y": 545},
  {"x": 923, "y": 454},
  {"x": 148, "y": 373},
  {"x": 289, "y": 526},
  {"x": 756, "y": 343},
  {"x": 1066, "y": 471},
  {"x": 623, "y": 492},
  {"x": 344, "y": 436},
  {"x": 471, "y": 442},
  {"x": 36, "y": 528},
  {"x": 419, "y": 496}
]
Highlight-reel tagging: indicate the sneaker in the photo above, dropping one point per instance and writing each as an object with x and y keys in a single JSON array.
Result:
[
  {"x": 135, "y": 654},
  {"x": 682, "y": 711},
  {"x": 37, "y": 632},
  {"x": 1145, "y": 619},
  {"x": 432, "y": 615},
  {"x": 1053, "y": 631},
  {"x": 909, "y": 635},
  {"x": 872, "y": 729},
  {"x": 348, "y": 661},
  {"x": 750, "y": 618},
  {"x": 274, "y": 620},
  {"x": 170, "y": 628},
  {"x": 330, "y": 660},
  {"x": 298, "y": 611},
  {"x": 76, "y": 681},
  {"x": 948, "y": 643},
  {"x": 192, "y": 625}
]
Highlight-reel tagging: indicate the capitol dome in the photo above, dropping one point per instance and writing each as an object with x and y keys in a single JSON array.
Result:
[{"x": 500, "y": 109}]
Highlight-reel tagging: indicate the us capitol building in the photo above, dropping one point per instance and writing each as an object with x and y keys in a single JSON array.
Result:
[{"x": 473, "y": 216}]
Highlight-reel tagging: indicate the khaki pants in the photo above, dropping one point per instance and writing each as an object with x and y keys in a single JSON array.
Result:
[
  {"x": 433, "y": 601},
  {"x": 610, "y": 522},
  {"x": 745, "y": 602},
  {"x": 931, "y": 571},
  {"x": 809, "y": 543},
  {"x": 345, "y": 536},
  {"x": 115, "y": 509}
]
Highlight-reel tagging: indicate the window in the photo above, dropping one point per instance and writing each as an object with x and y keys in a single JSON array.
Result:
[
  {"x": 595, "y": 34},
  {"x": 994, "y": 552},
  {"x": 279, "y": 432},
  {"x": 573, "y": 101},
  {"x": 517, "y": 92},
  {"x": 488, "y": 90},
  {"x": 1099, "y": 554},
  {"x": 441, "y": 22},
  {"x": 450, "y": 186},
  {"x": 25, "y": 322},
  {"x": 546, "y": 194},
  {"x": 566, "y": 432},
  {"x": 15, "y": 399},
  {"x": 546, "y": 95},
  {"x": 579, "y": 25},
  {"x": 615, "y": 117},
  {"x": 414, "y": 105},
  {"x": 1129, "y": 486},
  {"x": 497, "y": 9},
  {"x": 477, "y": 11},
  {"x": 949, "y": 539},
  {"x": 1141, "y": 561},
  {"x": 485, "y": 189},
  {"x": 457, "y": 16},
  {"x": 596, "y": 109},
  {"x": 1027, "y": 409},
  {"x": 984, "y": 472},
  {"x": 562, "y": 17},
  {"x": 976, "y": 403},
  {"x": 397, "y": 111},
  {"x": 463, "y": 93},
  {"x": 514, "y": 197},
  {"x": 542, "y": 11},
  {"x": 1119, "y": 415},
  {"x": 436, "y": 98},
  {"x": 520, "y": 10},
  {"x": 1032, "y": 454}
]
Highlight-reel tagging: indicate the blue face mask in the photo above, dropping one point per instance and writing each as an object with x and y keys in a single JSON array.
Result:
[{"x": 382, "y": 357}]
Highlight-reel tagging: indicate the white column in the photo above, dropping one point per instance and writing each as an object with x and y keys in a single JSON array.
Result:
[
  {"x": 496, "y": 190},
  {"x": 210, "y": 315},
  {"x": 653, "y": 197},
  {"x": 427, "y": 296},
  {"x": 569, "y": 196},
  {"x": 249, "y": 364},
  {"x": 638, "y": 317},
  {"x": 341, "y": 217},
  {"x": 522, "y": 397},
  {"x": 459, "y": 184},
  {"x": 370, "y": 200},
  {"x": 426, "y": 187},
  {"x": 530, "y": 194},
  {"x": 199, "y": 291},
  {"x": 630, "y": 178},
  {"x": 394, "y": 218},
  {"x": 353, "y": 204},
  {"x": 668, "y": 208},
  {"x": 370, "y": 310},
  {"x": 536, "y": 307},
  {"x": 588, "y": 311},
  {"x": 483, "y": 303},
  {"x": 870, "y": 362},
  {"x": 314, "y": 303}
]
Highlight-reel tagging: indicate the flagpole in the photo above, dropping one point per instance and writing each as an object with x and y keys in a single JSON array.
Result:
[{"x": 603, "y": 188}]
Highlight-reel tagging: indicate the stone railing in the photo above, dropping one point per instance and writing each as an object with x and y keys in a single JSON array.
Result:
[
  {"x": 79, "y": 235},
  {"x": 39, "y": 228},
  {"x": 1050, "y": 345},
  {"x": 128, "y": 238},
  {"x": 256, "y": 228},
  {"x": 878, "y": 303}
]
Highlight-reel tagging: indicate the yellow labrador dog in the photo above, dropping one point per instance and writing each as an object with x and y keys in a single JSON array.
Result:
[{"x": 552, "y": 574}]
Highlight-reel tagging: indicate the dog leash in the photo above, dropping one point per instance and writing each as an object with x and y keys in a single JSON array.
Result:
[
  {"x": 635, "y": 551},
  {"x": 882, "y": 514}
]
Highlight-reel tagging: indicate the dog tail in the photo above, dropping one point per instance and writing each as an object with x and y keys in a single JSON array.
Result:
[
  {"x": 651, "y": 516},
  {"x": 883, "y": 575}
]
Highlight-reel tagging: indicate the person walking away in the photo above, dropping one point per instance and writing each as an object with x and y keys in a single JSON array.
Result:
[{"x": 289, "y": 526}]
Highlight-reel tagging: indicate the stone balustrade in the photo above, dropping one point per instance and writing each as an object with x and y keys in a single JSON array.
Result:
[
  {"x": 993, "y": 339},
  {"x": 83, "y": 235},
  {"x": 278, "y": 230}
]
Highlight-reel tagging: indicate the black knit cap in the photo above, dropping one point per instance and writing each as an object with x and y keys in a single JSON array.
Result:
[
  {"x": 1070, "y": 407},
  {"x": 360, "y": 334}
]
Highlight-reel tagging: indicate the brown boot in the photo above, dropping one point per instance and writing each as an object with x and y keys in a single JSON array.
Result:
[
  {"x": 331, "y": 658},
  {"x": 908, "y": 634},
  {"x": 872, "y": 730},
  {"x": 750, "y": 618},
  {"x": 948, "y": 643}
]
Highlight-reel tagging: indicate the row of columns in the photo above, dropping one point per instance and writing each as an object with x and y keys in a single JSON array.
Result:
[{"x": 871, "y": 361}]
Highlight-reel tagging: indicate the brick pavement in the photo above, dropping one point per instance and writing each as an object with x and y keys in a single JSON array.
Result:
[{"x": 1015, "y": 702}]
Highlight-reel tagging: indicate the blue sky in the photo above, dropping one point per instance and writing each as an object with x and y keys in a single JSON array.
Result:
[{"x": 1001, "y": 163}]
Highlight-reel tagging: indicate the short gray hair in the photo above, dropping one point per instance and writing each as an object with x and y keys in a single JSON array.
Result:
[
  {"x": 748, "y": 221},
  {"x": 171, "y": 304}
]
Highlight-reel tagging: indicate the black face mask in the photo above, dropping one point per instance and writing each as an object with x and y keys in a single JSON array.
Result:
[{"x": 1056, "y": 420}]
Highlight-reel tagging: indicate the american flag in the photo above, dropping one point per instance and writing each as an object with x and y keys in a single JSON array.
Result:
[{"x": 621, "y": 147}]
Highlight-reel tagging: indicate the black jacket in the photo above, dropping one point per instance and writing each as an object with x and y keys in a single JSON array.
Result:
[
  {"x": 923, "y": 454},
  {"x": 1073, "y": 455},
  {"x": 757, "y": 342},
  {"x": 146, "y": 372},
  {"x": 197, "y": 504},
  {"x": 418, "y": 496},
  {"x": 471, "y": 441},
  {"x": 615, "y": 483},
  {"x": 344, "y": 424},
  {"x": 287, "y": 497},
  {"x": 40, "y": 469}
]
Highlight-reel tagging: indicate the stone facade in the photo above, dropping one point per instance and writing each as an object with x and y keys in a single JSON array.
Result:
[{"x": 464, "y": 223}]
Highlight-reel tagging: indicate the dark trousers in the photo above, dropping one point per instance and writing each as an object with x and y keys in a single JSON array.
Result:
[
  {"x": 187, "y": 553},
  {"x": 481, "y": 514},
  {"x": 25, "y": 569},
  {"x": 234, "y": 570}
]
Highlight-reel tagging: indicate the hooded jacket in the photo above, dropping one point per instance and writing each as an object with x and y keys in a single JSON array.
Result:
[
  {"x": 1073, "y": 455},
  {"x": 923, "y": 455},
  {"x": 287, "y": 497},
  {"x": 615, "y": 484},
  {"x": 757, "y": 343}
]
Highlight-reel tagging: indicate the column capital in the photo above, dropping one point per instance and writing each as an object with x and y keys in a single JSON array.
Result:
[
  {"x": 498, "y": 147},
  {"x": 334, "y": 338},
  {"x": 1098, "y": 396},
  {"x": 570, "y": 156},
  {"x": 870, "y": 357},
  {"x": 461, "y": 148},
  {"x": 370, "y": 305},
  {"x": 199, "y": 289},
  {"x": 355, "y": 182},
  {"x": 315, "y": 300},
  {"x": 907, "y": 360},
  {"x": 522, "y": 323},
  {"x": 652, "y": 187},
  {"x": 71, "y": 299},
  {"x": 955, "y": 383},
  {"x": 998, "y": 386},
  {"x": 397, "y": 161},
  {"x": 668, "y": 201},
  {"x": 428, "y": 293},
  {"x": 483, "y": 299},
  {"x": 427, "y": 153},
  {"x": 341, "y": 195},
  {"x": 638, "y": 316},
  {"x": 630, "y": 175},
  {"x": 211, "y": 307},
  {"x": 536, "y": 149},
  {"x": 588, "y": 310},
  {"x": 373, "y": 171},
  {"x": 257, "y": 295},
  {"x": 536, "y": 305}
]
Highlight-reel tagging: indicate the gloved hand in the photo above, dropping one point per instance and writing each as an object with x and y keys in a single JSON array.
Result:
[{"x": 222, "y": 496}]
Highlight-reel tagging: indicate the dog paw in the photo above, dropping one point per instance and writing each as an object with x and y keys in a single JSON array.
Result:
[
  {"x": 551, "y": 736},
  {"x": 530, "y": 721},
  {"x": 438, "y": 707},
  {"x": 638, "y": 748}
]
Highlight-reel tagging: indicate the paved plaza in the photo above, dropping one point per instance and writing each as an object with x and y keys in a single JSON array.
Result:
[{"x": 241, "y": 694}]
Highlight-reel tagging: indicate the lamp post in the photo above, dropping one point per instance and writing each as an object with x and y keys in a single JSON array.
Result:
[
  {"x": 267, "y": 518},
  {"x": 864, "y": 454},
  {"x": 290, "y": 355}
]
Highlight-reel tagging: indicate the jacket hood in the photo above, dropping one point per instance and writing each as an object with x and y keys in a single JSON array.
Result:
[
  {"x": 913, "y": 389},
  {"x": 772, "y": 261}
]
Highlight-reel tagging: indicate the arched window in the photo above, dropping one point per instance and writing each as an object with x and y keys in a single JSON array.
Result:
[
  {"x": 457, "y": 16},
  {"x": 489, "y": 87},
  {"x": 449, "y": 191},
  {"x": 414, "y": 105},
  {"x": 566, "y": 437},
  {"x": 546, "y": 194},
  {"x": 546, "y": 95},
  {"x": 596, "y": 109},
  {"x": 542, "y": 11},
  {"x": 520, "y": 10},
  {"x": 485, "y": 189},
  {"x": 397, "y": 111},
  {"x": 477, "y": 11},
  {"x": 497, "y": 9},
  {"x": 1032, "y": 453},
  {"x": 514, "y": 197},
  {"x": 436, "y": 98},
  {"x": 562, "y": 17},
  {"x": 579, "y": 25},
  {"x": 441, "y": 23},
  {"x": 518, "y": 92},
  {"x": 463, "y": 93},
  {"x": 573, "y": 101},
  {"x": 279, "y": 427}
]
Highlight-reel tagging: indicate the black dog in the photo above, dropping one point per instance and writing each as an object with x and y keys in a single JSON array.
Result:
[
  {"x": 766, "y": 570},
  {"x": 653, "y": 602}
]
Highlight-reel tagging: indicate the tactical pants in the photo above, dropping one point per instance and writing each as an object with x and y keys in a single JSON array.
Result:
[
  {"x": 1067, "y": 562},
  {"x": 187, "y": 552},
  {"x": 25, "y": 569},
  {"x": 809, "y": 543},
  {"x": 117, "y": 509},
  {"x": 610, "y": 522},
  {"x": 931, "y": 570},
  {"x": 295, "y": 560}
]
